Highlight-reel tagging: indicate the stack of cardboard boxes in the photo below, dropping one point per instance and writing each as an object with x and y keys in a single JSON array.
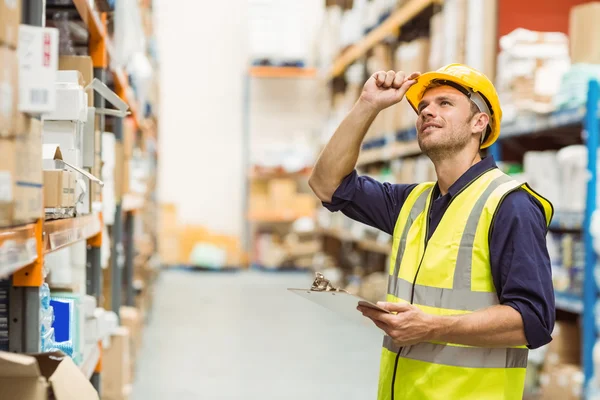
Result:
[
  {"x": 20, "y": 135},
  {"x": 279, "y": 199}
]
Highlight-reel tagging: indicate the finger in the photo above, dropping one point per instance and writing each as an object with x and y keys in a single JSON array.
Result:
[
  {"x": 412, "y": 76},
  {"x": 389, "y": 79},
  {"x": 398, "y": 80},
  {"x": 406, "y": 85},
  {"x": 395, "y": 307},
  {"x": 379, "y": 78},
  {"x": 377, "y": 315},
  {"x": 384, "y": 327}
]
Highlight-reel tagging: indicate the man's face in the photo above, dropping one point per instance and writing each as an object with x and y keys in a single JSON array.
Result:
[{"x": 443, "y": 123}]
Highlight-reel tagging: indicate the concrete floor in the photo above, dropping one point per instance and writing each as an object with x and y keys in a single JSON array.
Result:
[{"x": 225, "y": 336}]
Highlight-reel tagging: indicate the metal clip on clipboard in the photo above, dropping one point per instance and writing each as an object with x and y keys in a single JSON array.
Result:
[{"x": 323, "y": 293}]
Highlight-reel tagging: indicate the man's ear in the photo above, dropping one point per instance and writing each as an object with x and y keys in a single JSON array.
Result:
[{"x": 480, "y": 122}]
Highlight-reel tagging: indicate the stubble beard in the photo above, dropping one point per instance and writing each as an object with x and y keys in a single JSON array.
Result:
[{"x": 444, "y": 147}]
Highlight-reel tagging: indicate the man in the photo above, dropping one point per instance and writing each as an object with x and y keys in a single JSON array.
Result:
[{"x": 470, "y": 286}]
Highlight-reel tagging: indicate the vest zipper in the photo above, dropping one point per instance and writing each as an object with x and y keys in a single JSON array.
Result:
[{"x": 412, "y": 294}]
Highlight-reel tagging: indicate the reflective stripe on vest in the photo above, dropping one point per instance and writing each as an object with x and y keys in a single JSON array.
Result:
[
  {"x": 414, "y": 213},
  {"x": 460, "y": 297},
  {"x": 458, "y": 356}
]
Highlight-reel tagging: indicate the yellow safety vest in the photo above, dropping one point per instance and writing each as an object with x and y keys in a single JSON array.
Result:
[{"x": 450, "y": 274}]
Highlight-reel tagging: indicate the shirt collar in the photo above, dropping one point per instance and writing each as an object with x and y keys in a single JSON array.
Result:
[{"x": 472, "y": 173}]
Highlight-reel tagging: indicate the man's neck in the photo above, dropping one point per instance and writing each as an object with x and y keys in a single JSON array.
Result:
[{"x": 449, "y": 169}]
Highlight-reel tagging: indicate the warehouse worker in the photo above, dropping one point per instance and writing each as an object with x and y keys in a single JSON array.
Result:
[{"x": 470, "y": 286}]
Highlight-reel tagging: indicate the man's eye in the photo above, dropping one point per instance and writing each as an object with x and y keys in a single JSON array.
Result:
[{"x": 445, "y": 103}]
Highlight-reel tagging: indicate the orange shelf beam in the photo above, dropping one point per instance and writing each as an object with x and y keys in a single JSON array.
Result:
[{"x": 282, "y": 72}]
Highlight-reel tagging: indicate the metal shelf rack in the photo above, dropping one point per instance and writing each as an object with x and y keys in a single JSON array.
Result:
[
  {"x": 587, "y": 119},
  {"x": 22, "y": 248}
]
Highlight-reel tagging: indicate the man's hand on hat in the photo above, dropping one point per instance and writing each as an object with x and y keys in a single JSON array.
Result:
[{"x": 384, "y": 89}]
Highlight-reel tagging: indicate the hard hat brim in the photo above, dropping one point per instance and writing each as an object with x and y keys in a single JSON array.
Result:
[{"x": 415, "y": 93}]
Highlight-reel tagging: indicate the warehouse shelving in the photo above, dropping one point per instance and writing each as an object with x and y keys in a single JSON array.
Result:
[
  {"x": 586, "y": 118},
  {"x": 387, "y": 151},
  {"x": 61, "y": 233},
  {"x": 23, "y": 247},
  {"x": 101, "y": 48},
  {"x": 388, "y": 27}
]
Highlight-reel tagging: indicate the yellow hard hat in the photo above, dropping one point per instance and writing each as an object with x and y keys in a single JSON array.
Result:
[{"x": 473, "y": 84}]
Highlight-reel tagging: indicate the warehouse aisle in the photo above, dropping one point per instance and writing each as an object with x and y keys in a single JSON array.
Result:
[{"x": 243, "y": 336}]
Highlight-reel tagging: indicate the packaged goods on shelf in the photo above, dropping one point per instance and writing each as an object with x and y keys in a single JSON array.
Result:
[
  {"x": 45, "y": 376},
  {"x": 59, "y": 189},
  {"x": 9, "y": 89},
  {"x": 109, "y": 203},
  {"x": 568, "y": 261},
  {"x": 574, "y": 84},
  {"x": 69, "y": 323},
  {"x": 541, "y": 171},
  {"x": 116, "y": 366},
  {"x": 529, "y": 71},
  {"x": 37, "y": 69},
  {"x": 563, "y": 382},
  {"x": 53, "y": 160},
  {"x": 66, "y": 268},
  {"x": 21, "y": 174},
  {"x": 565, "y": 347},
  {"x": 83, "y": 65},
  {"x": 10, "y": 19},
  {"x": 584, "y": 33},
  {"x": 5, "y": 285}
]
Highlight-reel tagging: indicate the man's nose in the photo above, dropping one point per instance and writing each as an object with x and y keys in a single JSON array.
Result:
[{"x": 428, "y": 112}]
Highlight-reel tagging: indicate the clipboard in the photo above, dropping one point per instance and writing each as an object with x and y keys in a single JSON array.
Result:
[{"x": 337, "y": 300}]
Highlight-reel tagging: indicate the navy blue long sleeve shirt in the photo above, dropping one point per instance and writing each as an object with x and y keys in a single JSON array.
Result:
[{"x": 520, "y": 263}]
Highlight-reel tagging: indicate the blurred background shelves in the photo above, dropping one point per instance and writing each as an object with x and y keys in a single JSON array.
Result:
[{"x": 389, "y": 27}]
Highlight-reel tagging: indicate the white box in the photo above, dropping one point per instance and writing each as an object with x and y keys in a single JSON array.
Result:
[
  {"x": 71, "y": 98},
  {"x": 68, "y": 136},
  {"x": 38, "y": 64}
]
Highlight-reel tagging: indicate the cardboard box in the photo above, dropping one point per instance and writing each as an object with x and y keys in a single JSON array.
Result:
[
  {"x": 132, "y": 320},
  {"x": 84, "y": 65},
  {"x": 281, "y": 192},
  {"x": 43, "y": 377},
  {"x": 563, "y": 382},
  {"x": 59, "y": 189},
  {"x": 584, "y": 33},
  {"x": 9, "y": 88},
  {"x": 10, "y": 18},
  {"x": 21, "y": 174},
  {"x": 116, "y": 365},
  {"x": 129, "y": 132},
  {"x": 38, "y": 63},
  {"x": 565, "y": 347}
]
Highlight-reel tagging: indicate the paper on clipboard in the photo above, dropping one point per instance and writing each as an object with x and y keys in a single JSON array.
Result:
[{"x": 337, "y": 300}]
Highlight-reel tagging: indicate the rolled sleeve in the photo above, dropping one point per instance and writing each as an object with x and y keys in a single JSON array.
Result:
[
  {"x": 521, "y": 265},
  {"x": 366, "y": 200}
]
